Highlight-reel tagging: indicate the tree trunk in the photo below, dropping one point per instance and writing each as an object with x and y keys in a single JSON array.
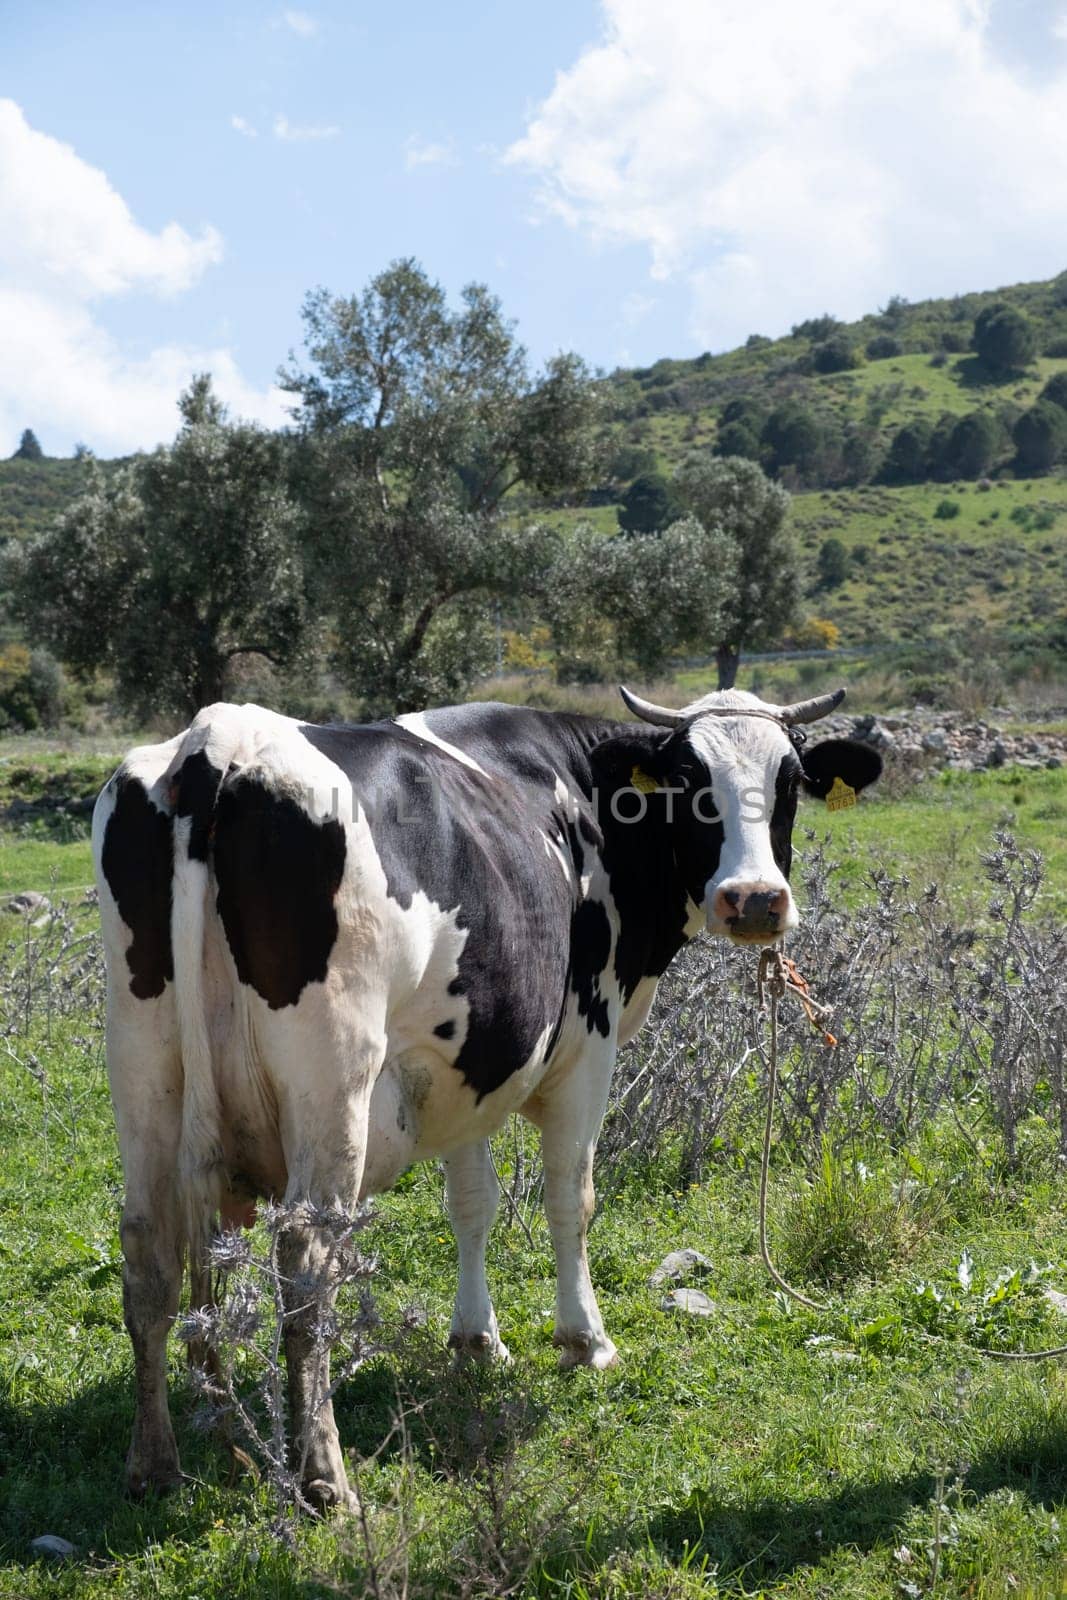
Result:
[{"x": 726, "y": 660}]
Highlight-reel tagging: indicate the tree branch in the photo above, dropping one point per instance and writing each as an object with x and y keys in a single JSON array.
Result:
[{"x": 254, "y": 650}]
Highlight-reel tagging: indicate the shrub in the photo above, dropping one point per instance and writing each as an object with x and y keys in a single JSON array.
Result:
[
  {"x": 738, "y": 439},
  {"x": 646, "y": 505},
  {"x": 1057, "y": 347},
  {"x": 909, "y": 453},
  {"x": 1004, "y": 338},
  {"x": 793, "y": 436},
  {"x": 817, "y": 633},
  {"x": 1040, "y": 436},
  {"x": 31, "y": 689},
  {"x": 832, "y": 564},
  {"x": 816, "y": 328},
  {"x": 947, "y": 509},
  {"x": 1055, "y": 390},
  {"x": 972, "y": 445},
  {"x": 835, "y": 354},
  {"x": 882, "y": 347}
]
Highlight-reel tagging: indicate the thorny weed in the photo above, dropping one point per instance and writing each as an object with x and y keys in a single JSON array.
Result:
[
  {"x": 238, "y": 1338},
  {"x": 928, "y": 1016}
]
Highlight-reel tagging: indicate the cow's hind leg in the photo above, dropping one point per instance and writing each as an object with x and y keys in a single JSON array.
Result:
[
  {"x": 569, "y": 1112},
  {"x": 146, "y": 1088},
  {"x": 326, "y": 1143},
  {"x": 472, "y": 1193}
]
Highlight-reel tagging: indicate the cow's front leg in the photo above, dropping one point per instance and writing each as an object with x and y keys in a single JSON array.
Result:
[
  {"x": 472, "y": 1193},
  {"x": 569, "y": 1113}
]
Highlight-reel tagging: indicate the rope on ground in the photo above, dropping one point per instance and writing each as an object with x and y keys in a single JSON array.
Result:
[
  {"x": 775, "y": 976},
  {"x": 772, "y": 980}
]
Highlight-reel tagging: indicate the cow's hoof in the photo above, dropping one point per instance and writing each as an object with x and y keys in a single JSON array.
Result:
[
  {"x": 161, "y": 1478},
  {"x": 323, "y": 1495},
  {"x": 481, "y": 1347},
  {"x": 585, "y": 1349}
]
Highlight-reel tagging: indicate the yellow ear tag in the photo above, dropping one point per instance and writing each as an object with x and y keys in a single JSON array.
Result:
[
  {"x": 641, "y": 780},
  {"x": 841, "y": 796}
]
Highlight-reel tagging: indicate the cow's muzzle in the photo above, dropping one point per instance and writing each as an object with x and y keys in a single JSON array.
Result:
[{"x": 753, "y": 913}]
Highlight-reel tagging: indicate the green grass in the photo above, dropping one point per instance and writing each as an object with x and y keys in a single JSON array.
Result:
[
  {"x": 785, "y": 1466},
  {"x": 765, "y": 1450},
  {"x": 48, "y": 850},
  {"x": 939, "y": 833}
]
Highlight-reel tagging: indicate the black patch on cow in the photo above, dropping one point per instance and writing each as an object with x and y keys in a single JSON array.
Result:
[
  {"x": 138, "y": 862},
  {"x": 474, "y": 846},
  {"x": 278, "y": 873},
  {"x": 786, "y": 789},
  {"x": 647, "y": 879},
  {"x": 198, "y": 784},
  {"x": 590, "y": 954},
  {"x": 446, "y": 1030},
  {"x": 854, "y": 763}
]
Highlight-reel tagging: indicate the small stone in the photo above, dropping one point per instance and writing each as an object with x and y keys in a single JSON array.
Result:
[
  {"x": 690, "y": 1300},
  {"x": 25, "y": 904},
  {"x": 50, "y": 1544},
  {"x": 680, "y": 1264},
  {"x": 1057, "y": 1301}
]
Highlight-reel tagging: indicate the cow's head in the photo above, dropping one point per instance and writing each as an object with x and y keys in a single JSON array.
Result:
[{"x": 735, "y": 766}]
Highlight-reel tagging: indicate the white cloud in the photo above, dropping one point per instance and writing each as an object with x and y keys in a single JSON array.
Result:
[
  {"x": 242, "y": 125},
  {"x": 68, "y": 379},
  {"x": 68, "y": 240},
  {"x": 291, "y": 133},
  {"x": 426, "y": 153},
  {"x": 300, "y": 22},
  {"x": 1059, "y": 27},
  {"x": 62, "y": 223},
  {"x": 784, "y": 158}
]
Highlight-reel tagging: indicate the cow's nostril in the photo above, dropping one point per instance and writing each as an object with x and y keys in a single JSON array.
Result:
[{"x": 731, "y": 897}]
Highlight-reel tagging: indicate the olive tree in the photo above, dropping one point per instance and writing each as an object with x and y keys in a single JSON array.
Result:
[
  {"x": 735, "y": 496},
  {"x": 663, "y": 594},
  {"x": 164, "y": 573},
  {"x": 416, "y": 421}
]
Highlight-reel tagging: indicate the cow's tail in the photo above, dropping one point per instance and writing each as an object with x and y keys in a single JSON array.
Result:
[{"x": 197, "y": 783}]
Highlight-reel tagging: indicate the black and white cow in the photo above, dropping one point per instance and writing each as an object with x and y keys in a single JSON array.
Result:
[{"x": 333, "y": 951}]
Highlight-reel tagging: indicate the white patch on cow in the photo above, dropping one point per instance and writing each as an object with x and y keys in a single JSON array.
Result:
[
  {"x": 743, "y": 756},
  {"x": 415, "y": 722},
  {"x": 555, "y": 852},
  {"x": 569, "y": 802}
]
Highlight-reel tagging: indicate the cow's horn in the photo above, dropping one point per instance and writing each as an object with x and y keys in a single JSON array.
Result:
[
  {"x": 662, "y": 716},
  {"x": 811, "y": 710}
]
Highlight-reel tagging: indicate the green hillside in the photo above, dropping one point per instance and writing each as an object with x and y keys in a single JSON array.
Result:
[
  {"x": 683, "y": 391},
  {"x": 33, "y": 492},
  {"x": 950, "y": 553}
]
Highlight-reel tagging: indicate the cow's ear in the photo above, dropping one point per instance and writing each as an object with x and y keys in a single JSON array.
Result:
[
  {"x": 857, "y": 765},
  {"x": 616, "y": 761}
]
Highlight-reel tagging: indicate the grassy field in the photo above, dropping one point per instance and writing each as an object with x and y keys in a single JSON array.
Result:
[{"x": 867, "y": 1452}]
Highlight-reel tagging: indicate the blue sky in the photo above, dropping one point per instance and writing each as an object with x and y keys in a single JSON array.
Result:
[{"x": 634, "y": 178}]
